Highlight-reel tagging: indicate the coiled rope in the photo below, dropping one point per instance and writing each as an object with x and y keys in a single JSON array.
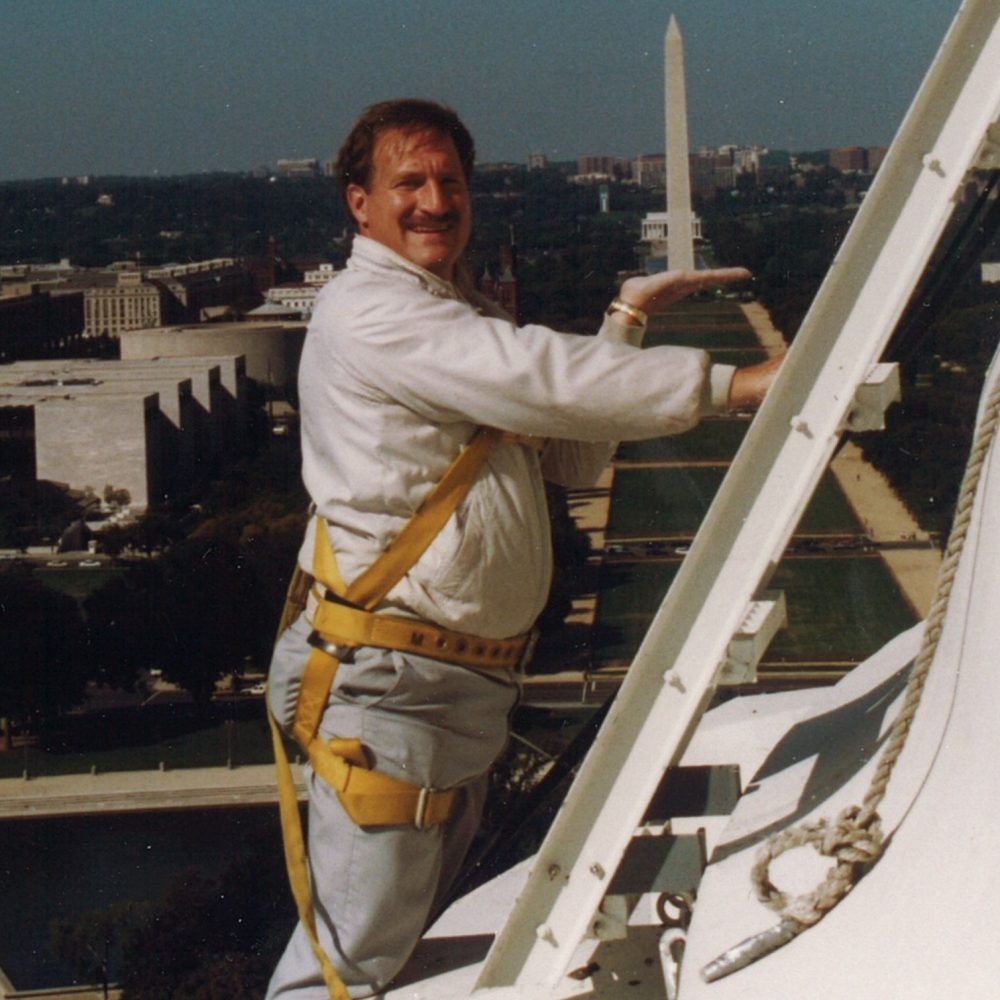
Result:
[{"x": 854, "y": 839}]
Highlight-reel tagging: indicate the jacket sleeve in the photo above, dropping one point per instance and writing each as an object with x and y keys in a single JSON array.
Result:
[
  {"x": 580, "y": 463},
  {"x": 446, "y": 362}
]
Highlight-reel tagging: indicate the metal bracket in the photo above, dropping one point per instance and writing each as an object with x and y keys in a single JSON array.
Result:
[
  {"x": 662, "y": 862},
  {"x": 988, "y": 157},
  {"x": 611, "y": 920},
  {"x": 764, "y": 616},
  {"x": 873, "y": 397}
]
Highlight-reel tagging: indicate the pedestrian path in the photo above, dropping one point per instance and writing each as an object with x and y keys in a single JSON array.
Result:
[
  {"x": 142, "y": 791},
  {"x": 875, "y": 503}
]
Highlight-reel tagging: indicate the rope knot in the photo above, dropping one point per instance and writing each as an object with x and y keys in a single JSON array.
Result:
[
  {"x": 853, "y": 840},
  {"x": 850, "y": 837}
]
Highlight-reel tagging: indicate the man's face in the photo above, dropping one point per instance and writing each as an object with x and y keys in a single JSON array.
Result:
[{"x": 417, "y": 202}]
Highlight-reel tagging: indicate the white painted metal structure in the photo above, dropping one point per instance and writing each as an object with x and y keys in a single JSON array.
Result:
[
  {"x": 757, "y": 508},
  {"x": 922, "y": 923}
]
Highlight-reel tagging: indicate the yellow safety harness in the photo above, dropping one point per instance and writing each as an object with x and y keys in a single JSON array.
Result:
[{"x": 344, "y": 617}]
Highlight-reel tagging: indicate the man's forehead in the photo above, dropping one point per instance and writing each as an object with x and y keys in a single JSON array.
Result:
[{"x": 397, "y": 143}]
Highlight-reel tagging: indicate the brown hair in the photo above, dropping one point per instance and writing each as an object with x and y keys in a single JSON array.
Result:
[{"x": 354, "y": 159}]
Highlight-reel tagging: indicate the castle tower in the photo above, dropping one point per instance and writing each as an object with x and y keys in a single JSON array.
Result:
[{"x": 680, "y": 237}]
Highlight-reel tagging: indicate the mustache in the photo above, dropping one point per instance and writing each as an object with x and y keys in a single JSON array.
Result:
[{"x": 424, "y": 219}]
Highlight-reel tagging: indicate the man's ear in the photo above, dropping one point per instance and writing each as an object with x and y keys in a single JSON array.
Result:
[{"x": 357, "y": 202}]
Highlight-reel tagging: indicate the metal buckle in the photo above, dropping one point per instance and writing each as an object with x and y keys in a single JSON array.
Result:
[
  {"x": 423, "y": 799},
  {"x": 316, "y": 640}
]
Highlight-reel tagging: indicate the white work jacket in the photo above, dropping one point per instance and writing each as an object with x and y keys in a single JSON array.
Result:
[{"x": 400, "y": 367}]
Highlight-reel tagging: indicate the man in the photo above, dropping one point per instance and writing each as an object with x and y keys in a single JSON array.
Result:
[{"x": 402, "y": 363}]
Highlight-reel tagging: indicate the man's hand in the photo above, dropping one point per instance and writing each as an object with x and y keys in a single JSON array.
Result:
[
  {"x": 654, "y": 292},
  {"x": 749, "y": 385}
]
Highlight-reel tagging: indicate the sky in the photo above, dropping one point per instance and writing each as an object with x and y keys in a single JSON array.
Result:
[{"x": 149, "y": 86}]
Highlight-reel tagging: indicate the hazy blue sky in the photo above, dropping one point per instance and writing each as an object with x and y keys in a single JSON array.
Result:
[{"x": 144, "y": 86}]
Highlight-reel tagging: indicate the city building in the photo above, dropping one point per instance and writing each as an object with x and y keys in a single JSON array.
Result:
[
  {"x": 202, "y": 285},
  {"x": 711, "y": 170},
  {"x": 125, "y": 301},
  {"x": 36, "y": 322},
  {"x": 271, "y": 350},
  {"x": 602, "y": 168},
  {"x": 649, "y": 170},
  {"x": 153, "y": 428},
  {"x": 298, "y": 168},
  {"x": 503, "y": 288},
  {"x": 294, "y": 299},
  {"x": 849, "y": 159},
  {"x": 124, "y": 295}
]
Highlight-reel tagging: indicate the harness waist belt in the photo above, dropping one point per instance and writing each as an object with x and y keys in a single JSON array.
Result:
[{"x": 343, "y": 625}]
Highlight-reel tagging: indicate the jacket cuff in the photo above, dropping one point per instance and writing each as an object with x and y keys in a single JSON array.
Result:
[{"x": 715, "y": 389}]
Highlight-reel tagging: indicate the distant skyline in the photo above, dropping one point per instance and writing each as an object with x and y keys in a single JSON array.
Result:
[{"x": 145, "y": 87}]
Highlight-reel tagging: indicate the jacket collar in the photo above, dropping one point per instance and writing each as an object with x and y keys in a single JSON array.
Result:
[{"x": 370, "y": 255}]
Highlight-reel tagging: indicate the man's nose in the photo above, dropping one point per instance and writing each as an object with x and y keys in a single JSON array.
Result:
[{"x": 432, "y": 198}]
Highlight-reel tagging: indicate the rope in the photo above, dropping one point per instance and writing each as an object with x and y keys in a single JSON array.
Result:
[{"x": 855, "y": 839}]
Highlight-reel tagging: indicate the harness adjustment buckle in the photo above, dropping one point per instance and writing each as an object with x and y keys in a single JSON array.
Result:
[
  {"x": 528, "y": 652},
  {"x": 317, "y": 641},
  {"x": 420, "y": 815}
]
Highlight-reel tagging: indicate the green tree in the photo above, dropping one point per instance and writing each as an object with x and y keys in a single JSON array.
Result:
[
  {"x": 32, "y": 510},
  {"x": 123, "y": 626},
  {"x": 45, "y": 659},
  {"x": 116, "y": 497},
  {"x": 91, "y": 944},
  {"x": 221, "y": 594},
  {"x": 212, "y": 938}
]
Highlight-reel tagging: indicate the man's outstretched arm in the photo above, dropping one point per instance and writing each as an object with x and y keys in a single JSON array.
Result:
[{"x": 653, "y": 293}]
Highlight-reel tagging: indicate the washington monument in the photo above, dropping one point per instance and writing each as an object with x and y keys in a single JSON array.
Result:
[{"x": 680, "y": 238}]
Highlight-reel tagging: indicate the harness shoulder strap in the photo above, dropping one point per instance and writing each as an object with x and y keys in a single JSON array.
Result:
[{"x": 418, "y": 533}]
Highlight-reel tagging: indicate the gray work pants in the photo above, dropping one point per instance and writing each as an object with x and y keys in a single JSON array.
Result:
[{"x": 426, "y": 722}]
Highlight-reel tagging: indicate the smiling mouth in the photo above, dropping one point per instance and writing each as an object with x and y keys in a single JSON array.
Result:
[{"x": 427, "y": 227}]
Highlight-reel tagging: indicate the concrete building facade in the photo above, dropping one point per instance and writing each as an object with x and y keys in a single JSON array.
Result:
[
  {"x": 155, "y": 428},
  {"x": 90, "y": 440},
  {"x": 272, "y": 350}
]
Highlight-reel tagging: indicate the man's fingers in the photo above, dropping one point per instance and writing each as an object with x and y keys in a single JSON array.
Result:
[
  {"x": 656, "y": 291},
  {"x": 689, "y": 281},
  {"x": 720, "y": 275}
]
